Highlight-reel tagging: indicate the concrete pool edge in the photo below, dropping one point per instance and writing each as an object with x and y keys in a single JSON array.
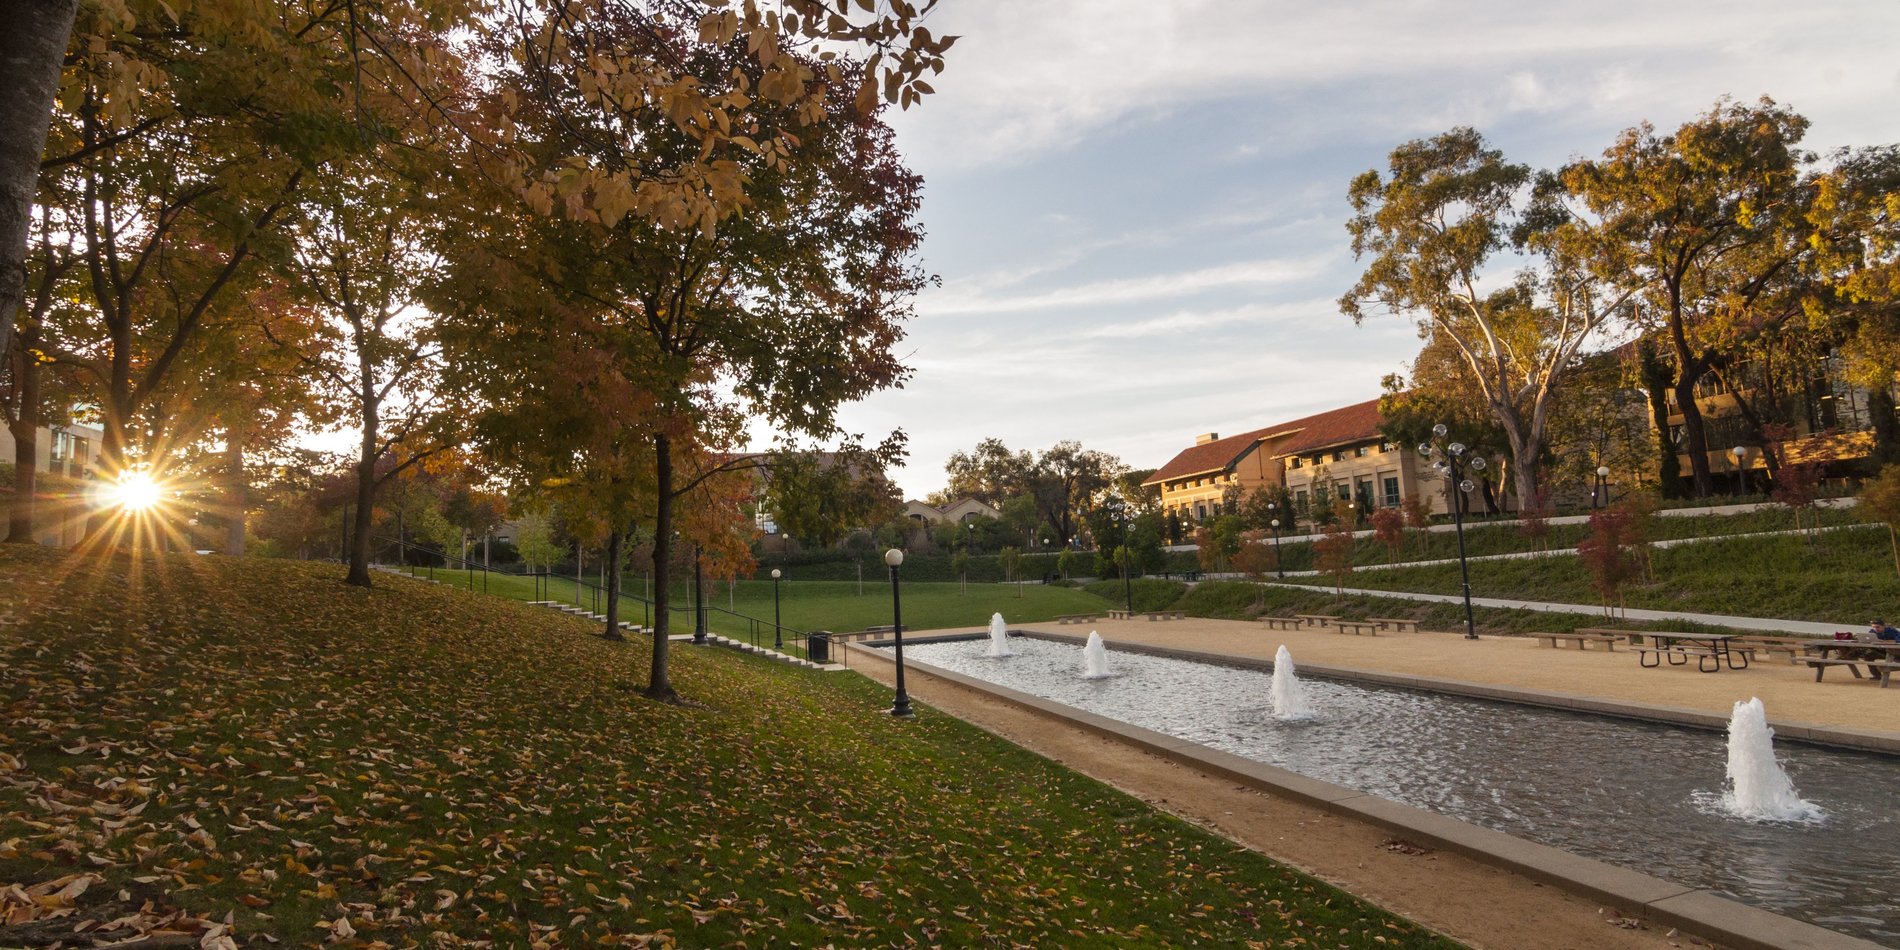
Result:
[{"x": 1697, "y": 911}]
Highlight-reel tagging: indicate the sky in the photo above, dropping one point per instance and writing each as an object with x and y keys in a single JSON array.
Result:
[{"x": 1137, "y": 209}]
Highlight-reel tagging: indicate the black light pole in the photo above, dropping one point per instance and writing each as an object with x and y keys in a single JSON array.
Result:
[
  {"x": 778, "y": 631},
  {"x": 1450, "y": 457},
  {"x": 1278, "y": 565},
  {"x": 1740, "y": 453},
  {"x": 900, "y": 707},
  {"x": 1602, "y": 485}
]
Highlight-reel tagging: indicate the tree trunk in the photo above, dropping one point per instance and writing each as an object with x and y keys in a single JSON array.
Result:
[
  {"x": 1693, "y": 434},
  {"x": 365, "y": 490},
  {"x": 26, "y": 445},
  {"x": 613, "y": 585},
  {"x": 659, "y": 680},
  {"x": 32, "y": 53},
  {"x": 1880, "y": 407},
  {"x": 236, "y": 493}
]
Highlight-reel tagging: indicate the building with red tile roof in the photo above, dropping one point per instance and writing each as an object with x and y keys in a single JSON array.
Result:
[{"x": 1339, "y": 453}]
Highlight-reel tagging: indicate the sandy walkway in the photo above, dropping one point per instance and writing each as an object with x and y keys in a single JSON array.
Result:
[{"x": 1457, "y": 896}]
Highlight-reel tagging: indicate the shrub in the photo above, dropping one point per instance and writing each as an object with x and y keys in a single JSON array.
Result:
[{"x": 1149, "y": 593}]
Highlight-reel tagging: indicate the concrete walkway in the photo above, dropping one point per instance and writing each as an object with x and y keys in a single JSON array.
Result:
[{"x": 1765, "y": 624}]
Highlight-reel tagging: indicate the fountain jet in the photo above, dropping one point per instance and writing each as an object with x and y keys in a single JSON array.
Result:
[
  {"x": 1289, "y": 701},
  {"x": 1759, "y": 790},
  {"x": 1095, "y": 658},
  {"x": 999, "y": 637}
]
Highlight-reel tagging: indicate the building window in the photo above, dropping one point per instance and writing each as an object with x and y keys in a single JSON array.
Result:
[
  {"x": 1299, "y": 499},
  {"x": 1391, "y": 491},
  {"x": 1361, "y": 451},
  {"x": 1339, "y": 455},
  {"x": 1200, "y": 512},
  {"x": 1296, "y": 462}
]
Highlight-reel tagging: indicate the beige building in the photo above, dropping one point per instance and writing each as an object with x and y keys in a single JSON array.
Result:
[
  {"x": 63, "y": 455},
  {"x": 963, "y": 509},
  {"x": 1333, "y": 454}
]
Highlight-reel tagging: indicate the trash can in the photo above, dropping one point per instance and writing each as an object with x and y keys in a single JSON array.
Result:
[{"x": 818, "y": 646}]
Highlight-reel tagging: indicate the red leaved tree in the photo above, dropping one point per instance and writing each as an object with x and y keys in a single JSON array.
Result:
[
  {"x": 1332, "y": 553},
  {"x": 1607, "y": 555},
  {"x": 1796, "y": 487},
  {"x": 1388, "y": 525}
]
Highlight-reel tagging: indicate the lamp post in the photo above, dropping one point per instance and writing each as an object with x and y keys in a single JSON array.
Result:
[
  {"x": 900, "y": 707},
  {"x": 1740, "y": 452},
  {"x": 1603, "y": 485},
  {"x": 1450, "y": 458},
  {"x": 778, "y": 631},
  {"x": 1279, "y": 566}
]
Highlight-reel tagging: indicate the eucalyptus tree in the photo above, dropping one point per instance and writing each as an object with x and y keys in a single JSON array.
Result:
[{"x": 1430, "y": 229}]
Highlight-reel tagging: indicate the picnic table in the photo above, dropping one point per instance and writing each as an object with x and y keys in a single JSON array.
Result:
[
  {"x": 1881, "y": 671},
  {"x": 1709, "y": 649}
]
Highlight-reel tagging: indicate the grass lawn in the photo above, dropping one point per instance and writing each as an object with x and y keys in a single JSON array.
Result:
[
  {"x": 415, "y": 765},
  {"x": 1843, "y": 576},
  {"x": 822, "y": 605}
]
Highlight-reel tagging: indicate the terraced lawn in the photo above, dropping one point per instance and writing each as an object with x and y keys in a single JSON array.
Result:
[{"x": 214, "y": 751}]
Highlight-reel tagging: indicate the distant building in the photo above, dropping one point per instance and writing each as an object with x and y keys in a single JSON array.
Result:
[
  {"x": 62, "y": 455},
  {"x": 1339, "y": 453},
  {"x": 961, "y": 510}
]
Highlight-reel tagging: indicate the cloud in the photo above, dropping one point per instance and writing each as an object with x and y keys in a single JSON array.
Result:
[{"x": 1120, "y": 290}]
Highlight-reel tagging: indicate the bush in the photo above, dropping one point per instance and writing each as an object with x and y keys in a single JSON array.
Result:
[
  {"x": 1149, "y": 593},
  {"x": 1222, "y": 600}
]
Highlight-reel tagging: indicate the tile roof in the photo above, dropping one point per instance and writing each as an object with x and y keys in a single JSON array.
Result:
[
  {"x": 1347, "y": 424},
  {"x": 1207, "y": 457}
]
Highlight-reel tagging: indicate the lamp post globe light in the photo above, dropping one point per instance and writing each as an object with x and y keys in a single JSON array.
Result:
[
  {"x": 900, "y": 706},
  {"x": 778, "y": 631},
  {"x": 1450, "y": 459},
  {"x": 1603, "y": 485},
  {"x": 1278, "y": 566},
  {"x": 1740, "y": 452}
]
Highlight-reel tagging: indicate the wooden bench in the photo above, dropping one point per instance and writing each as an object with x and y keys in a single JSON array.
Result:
[
  {"x": 1078, "y": 618},
  {"x": 1707, "y": 660},
  {"x": 1794, "y": 647},
  {"x": 1118, "y": 615},
  {"x": 886, "y": 628},
  {"x": 1282, "y": 623},
  {"x": 1820, "y": 666},
  {"x": 1356, "y": 627},
  {"x": 1167, "y": 615},
  {"x": 1631, "y": 635},
  {"x": 1582, "y": 640},
  {"x": 1402, "y": 626},
  {"x": 1316, "y": 620}
]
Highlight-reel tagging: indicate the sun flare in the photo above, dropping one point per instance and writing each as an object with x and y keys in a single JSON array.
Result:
[{"x": 136, "y": 491}]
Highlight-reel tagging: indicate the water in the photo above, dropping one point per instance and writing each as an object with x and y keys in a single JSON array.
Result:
[
  {"x": 1289, "y": 701},
  {"x": 1759, "y": 788},
  {"x": 999, "y": 637},
  {"x": 1641, "y": 795},
  {"x": 1095, "y": 658}
]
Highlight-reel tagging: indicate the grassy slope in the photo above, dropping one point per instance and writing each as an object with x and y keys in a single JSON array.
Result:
[
  {"x": 1844, "y": 577},
  {"x": 827, "y": 605},
  {"x": 424, "y": 761}
]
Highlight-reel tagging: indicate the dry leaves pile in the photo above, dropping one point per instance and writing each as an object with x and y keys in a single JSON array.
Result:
[{"x": 249, "y": 752}]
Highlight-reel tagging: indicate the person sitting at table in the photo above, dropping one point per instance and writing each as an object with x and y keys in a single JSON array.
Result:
[{"x": 1882, "y": 631}]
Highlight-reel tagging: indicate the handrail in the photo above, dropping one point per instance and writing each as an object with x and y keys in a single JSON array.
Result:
[{"x": 544, "y": 582}]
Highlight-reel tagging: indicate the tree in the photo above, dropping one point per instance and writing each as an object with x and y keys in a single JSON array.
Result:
[
  {"x": 1065, "y": 563},
  {"x": 696, "y": 303},
  {"x": 1534, "y": 520},
  {"x": 1332, "y": 553},
  {"x": 1256, "y": 557},
  {"x": 1066, "y": 482},
  {"x": 1607, "y": 555},
  {"x": 1429, "y": 230},
  {"x": 1418, "y": 515},
  {"x": 534, "y": 538},
  {"x": 1796, "y": 487},
  {"x": 1710, "y": 226},
  {"x": 1388, "y": 525},
  {"x": 32, "y": 55},
  {"x": 990, "y": 473},
  {"x": 1011, "y": 560},
  {"x": 1880, "y": 502},
  {"x": 1856, "y": 222},
  {"x": 960, "y": 566},
  {"x": 821, "y": 497}
]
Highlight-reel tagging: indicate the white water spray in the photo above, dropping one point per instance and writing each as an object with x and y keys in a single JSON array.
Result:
[
  {"x": 1095, "y": 658},
  {"x": 1759, "y": 790},
  {"x": 999, "y": 637},
  {"x": 1289, "y": 700}
]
